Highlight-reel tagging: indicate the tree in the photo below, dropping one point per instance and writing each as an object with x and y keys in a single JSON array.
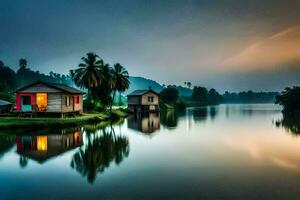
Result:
[
  {"x": 189, "y": 84},
  {"x": 214, "y": 97},
  {"x": 200, "y": 94},
  {"x": 290, "y": 100},
  {"x": 88, "y": 74},
  {"x": 169, "y": 94},
  {"x": 119, "y": 81},
  {"x": 8, "y": 78},
  {"x": 22, "y": 71},
  {"x": 103, "y": 91},
  {"x": 22, "y": 63}
]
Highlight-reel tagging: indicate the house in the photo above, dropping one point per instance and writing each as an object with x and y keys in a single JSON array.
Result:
[
  {"x": 5, "y": 106},
  {"x": 49, "y": 98},
  {"x": 143, "y": 101}
]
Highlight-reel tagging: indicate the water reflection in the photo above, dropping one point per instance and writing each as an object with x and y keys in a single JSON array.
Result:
[
  {"x": 101, "y": 148},
  {"x": 290, "y": 123},
  {"x": 6, "y": 143},
  {"x": 231, "y": 154},
  {"x": 43, "y": 147},
  {"x": 146, "y": 123},
  {"x": 200, "y": 114},
  {"x": 169, "y": 118}
]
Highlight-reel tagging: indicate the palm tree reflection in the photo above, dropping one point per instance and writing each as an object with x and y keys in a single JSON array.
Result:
[{"x": 101, "y": 149}]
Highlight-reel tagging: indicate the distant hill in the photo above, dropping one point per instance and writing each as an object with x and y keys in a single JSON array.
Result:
[
  {"x": 183, "y": 91},
  {"x": 140, "y": 83}
]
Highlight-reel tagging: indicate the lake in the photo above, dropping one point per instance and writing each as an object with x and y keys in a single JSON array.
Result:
[{"x": 217, "y": 152}]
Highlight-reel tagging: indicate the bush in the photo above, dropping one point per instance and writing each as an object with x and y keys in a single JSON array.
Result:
[{"x": 169, "y": 94}]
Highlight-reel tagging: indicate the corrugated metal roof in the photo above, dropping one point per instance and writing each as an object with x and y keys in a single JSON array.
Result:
[
  {"x": 66, "y": 88},
  {"x": 141, "y": 92},
  {"x": 58, "y": 86}
]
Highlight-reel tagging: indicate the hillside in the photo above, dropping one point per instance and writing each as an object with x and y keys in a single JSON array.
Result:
[{"x": 140, "y": 83}]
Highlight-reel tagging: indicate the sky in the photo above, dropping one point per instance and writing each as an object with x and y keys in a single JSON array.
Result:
[{"x": 230, "y": 45}]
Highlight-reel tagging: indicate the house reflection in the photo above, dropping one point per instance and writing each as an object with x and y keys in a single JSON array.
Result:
[
  {"x": 200, "y": 114},
  {"x": 146, "y": 123},
  {"x": 43, "y": 147}
]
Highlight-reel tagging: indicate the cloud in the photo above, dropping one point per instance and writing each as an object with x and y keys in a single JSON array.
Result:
[{"x": 275, "y": 52}]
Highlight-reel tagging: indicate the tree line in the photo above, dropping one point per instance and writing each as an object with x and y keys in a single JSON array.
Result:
[
  {"x": 203, "y": 96},
  {"x": 11, "y": 80}
]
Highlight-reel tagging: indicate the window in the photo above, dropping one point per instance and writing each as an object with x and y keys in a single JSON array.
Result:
[
  {"x": 67, "y": 100},
  {"x": 150, "y": 99},
  {"x": 26, "y": 100}
]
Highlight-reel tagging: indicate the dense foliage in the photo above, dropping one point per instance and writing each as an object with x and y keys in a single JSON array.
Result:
[
  {"x": 11, "y": 80},
  {"x": 204, "y": 97},
  {"x": 101, "y": 80},
  {"x": 290, "y": 100},
  {"x": 249, "y": 97},
  {"x": 169, "y": 94}
]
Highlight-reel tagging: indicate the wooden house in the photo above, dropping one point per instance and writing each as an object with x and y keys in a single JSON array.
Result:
[
  {"x": 49, "y": 97},
  {"x": 143, "y": 101}
]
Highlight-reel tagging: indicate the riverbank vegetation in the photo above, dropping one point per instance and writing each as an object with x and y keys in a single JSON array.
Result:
[
  {"x": 169, "y": 99},
  {"x": 44, "y": 122},
  {"x": 93, "y": 75}
]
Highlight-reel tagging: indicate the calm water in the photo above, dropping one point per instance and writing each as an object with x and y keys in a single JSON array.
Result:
[{"x": 222, "y": 152}]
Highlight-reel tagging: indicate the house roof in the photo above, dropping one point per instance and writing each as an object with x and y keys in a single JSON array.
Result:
[
  {"x": 57, "y": 86},
  {"x": 4, "y": 103},
  {"x": 141, "y": 92}
]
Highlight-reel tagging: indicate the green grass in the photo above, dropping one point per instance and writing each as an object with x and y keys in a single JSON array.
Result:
[{"x": 15, "y": 122}]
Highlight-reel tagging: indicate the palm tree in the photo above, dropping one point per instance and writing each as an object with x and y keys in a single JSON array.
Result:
[
  {"x": 88, "y": 74},
  {"x": 1, "y": 63},
  {"x": 23, "y": 63},
  {"x": 120, "y": 81},
  {"x": 22, "y": 71}
]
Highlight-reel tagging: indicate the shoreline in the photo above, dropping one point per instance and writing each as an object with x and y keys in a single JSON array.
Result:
[{"x": 47, "y": 122}]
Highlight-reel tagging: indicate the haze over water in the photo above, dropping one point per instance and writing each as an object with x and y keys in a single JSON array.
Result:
[{"x": 222, "y": 152}]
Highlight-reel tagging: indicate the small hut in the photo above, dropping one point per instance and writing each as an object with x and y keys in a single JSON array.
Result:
[
  {"x": 5, "y": 106},
  {"x": 49, "y": 98},
  {"x": 143, "y": 101}
]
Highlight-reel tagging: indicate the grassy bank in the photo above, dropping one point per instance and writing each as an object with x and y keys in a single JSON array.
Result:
[{"x": 44, "y": 122}]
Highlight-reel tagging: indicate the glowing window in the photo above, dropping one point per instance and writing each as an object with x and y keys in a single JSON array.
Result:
[
  {"x": 41, "y": 143},
  {"x": 41, "y": 101}
]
